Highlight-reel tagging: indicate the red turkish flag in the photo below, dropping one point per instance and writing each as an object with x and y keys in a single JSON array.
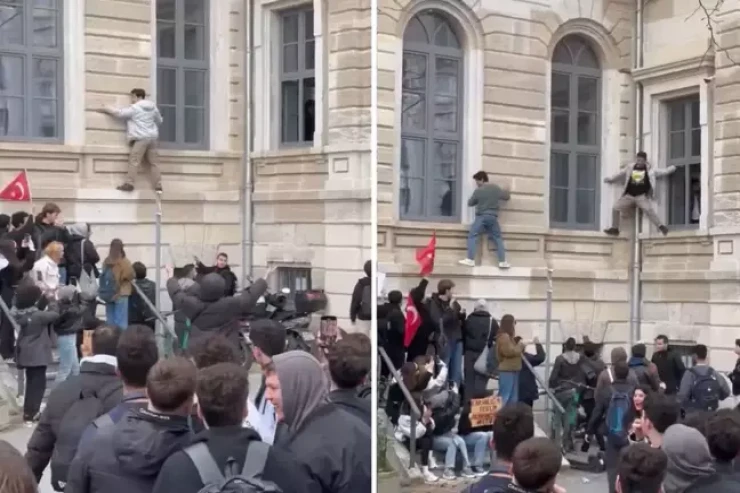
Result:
[
  {"x": 17, "y": 190},
  {"x": 413, "y": 322},
  {"x": 425, "y": 256}
]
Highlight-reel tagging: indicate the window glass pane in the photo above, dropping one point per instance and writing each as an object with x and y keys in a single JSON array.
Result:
[
  {"x": 562, "y": 54},
  {"x": 44, "y": 28},
  {"x": 445, "y": 114},
  {"x": 44, "y": 118},
  {"x": 411, "y": 197},
  {"x": 195, "y": 42},
  {"x": 676, "y": 143},
  {"x": 415, "y": 32},
  {"x": 11, "y": 76},
  {"x": 166, "y": 40},
  {"x": 677, "y": 197},
  {"x": 290, "y": 28},
  {"x": 586, "y": 175},
  {"x": 195, "y": 88},
  {"x": 585, "y": 206},
  {"x": 445, "y": 76},
  {"x": 587, "y": 126},
  {"x": 167, "y": 86},
  {"x": 445, "y": 36},
  {"x": 310, "y": 60},
  {"x": 290, "y": 58},
  {"x": 11, "y": 25},
  {"x": 559, "y": 174},
  {"x": 559, "y": 127},
  {"x": 588, "y": 94},
  {"x": 559, "y": 180},
  {"x": 444, "y": 199},
  {"x": 677, "y": 116},
  {"x": 560, "y": 90},
  {"x": 49, "y": 4},
  {"x": 166, "y": 10},
  {"x": 195, "y": 11},
  {"x": 194, "y": 125},
  {"x": 412, "y": 158},
  {"x": 44, "y": 78},
  {"x": 414, "y": 72},
  {"x": 587, "y": 58},
  {"x": 696, "y": 142},
  {"x": 413, "y": 114},
  {"x": 445, "y": 160},
  {"x": 291, "y": 113},
  {"x": 695, "y": 114},
  {"x": 411, "y": 193},
  {"x": 309, "y": 108},
  {"x": 168, "y": 129},
  {"x": 308, "y": 20},
  {"x": 12, "y": 119},
  {"x": 695, "y": 192}
]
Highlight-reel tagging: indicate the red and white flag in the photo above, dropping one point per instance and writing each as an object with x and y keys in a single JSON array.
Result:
[
  {"x": 425, "y": 256},
  {"x": 17, "y": 190},
  {"x": 413, "y": 322}
]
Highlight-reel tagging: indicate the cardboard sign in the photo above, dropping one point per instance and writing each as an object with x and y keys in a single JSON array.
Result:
[{"x": 483, "y": 411}]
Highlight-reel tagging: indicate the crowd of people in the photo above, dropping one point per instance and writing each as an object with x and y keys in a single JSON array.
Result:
[{"x": 625, "y": 407}]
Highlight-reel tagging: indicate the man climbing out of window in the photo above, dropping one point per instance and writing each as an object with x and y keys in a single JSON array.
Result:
[
  {"x": 486, "y": 198},
  {"x": 639, "y": 184},
  {"x": 142, "y": 131}
]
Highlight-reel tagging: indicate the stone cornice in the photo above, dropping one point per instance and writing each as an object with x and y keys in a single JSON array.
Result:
[{"x": 695, "y": 66}]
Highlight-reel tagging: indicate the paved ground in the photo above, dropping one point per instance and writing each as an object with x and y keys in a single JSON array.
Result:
[{"x": 19, "y": 436}]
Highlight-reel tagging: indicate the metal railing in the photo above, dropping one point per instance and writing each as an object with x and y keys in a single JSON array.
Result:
[
  {"x": 546, "y": 388},
  {"x": 415, "y": 412},
  {"x": 7, "y": 394},
  {"x": 165, "y": 333}
]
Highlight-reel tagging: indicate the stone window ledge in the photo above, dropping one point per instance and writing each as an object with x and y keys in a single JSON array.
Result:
[
  {"x": 35, "y": 148},
  {"x": 678, "y": 234}
]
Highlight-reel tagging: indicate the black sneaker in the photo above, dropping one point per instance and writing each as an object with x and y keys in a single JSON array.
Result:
[
  {"x": 126, "y": 187},
  {"x": 612, "y": 231},
  {"x": 663, "y": 229}
]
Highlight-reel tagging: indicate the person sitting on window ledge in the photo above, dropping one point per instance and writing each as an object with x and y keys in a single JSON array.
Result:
[
  {"x": 639, "y": 182},
  {"x": 486, "y": 200}
]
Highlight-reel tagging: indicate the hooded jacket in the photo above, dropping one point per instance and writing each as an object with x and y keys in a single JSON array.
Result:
[
  {"x": 567, "y": 371},
  {"x": 94, "y": 377},
  {"x": 653, "y": 174},
  {"x": 645, "y": 372},
  {"x": 127, "y": 456},
  {"x": 480, "y": 331},
  {"x": 689, "y": 459},
  {"x": 690, "y": 378},
  {"x": 350, "y": 401},
  {"x": 74, "y": 316},
  {"x": 179, "y": 475},
  {"x": 209, "y": 309},
  {"x": 331, "y": 442},
  {"x": 80, "y": 249},
  {"x": 142, "y": 120},
  {"x": 33, "y": 346},
  {"x": 604, "y": 399}
]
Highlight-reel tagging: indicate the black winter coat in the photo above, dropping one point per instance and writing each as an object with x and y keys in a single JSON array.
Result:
[
  {"x": 528, "y": 389},
  {"x": 355, "y": 306},
  {"x": 179, "y": 475},
  {"x": 33, "y": 347},
  {"x": 670, "y": 369},
  {"x": 73, "y": 253},
  {"x": 43, "y": 234},
  {"x": 93, "y": 377},
  {"x": 226, "y": 273},
  {"x": 480, "y": 331},
  {"x": 334, "y": 445},
  {"x": 74, "y": 316},
  {"x": 138, "y": 311},
  {"x": 350, "y": 401},
  {"x": 392, "y": 323},
  {"x": 126, "y": 457}
]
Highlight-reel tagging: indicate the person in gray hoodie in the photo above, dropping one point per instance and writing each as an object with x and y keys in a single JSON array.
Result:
[
  {"x": 142, "y": 131},
  {"x": 689, "y": 458}
]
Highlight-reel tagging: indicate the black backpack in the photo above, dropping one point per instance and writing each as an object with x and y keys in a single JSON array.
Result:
[
  {"x": 232, "y": 480},
  {"x": 367, "y": 302},
  {"x": 84, "y": 411},
  {"x": 706, "y": 391}
]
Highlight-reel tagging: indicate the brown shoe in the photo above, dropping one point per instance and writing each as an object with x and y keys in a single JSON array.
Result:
[{"x": 126, "y": 187}]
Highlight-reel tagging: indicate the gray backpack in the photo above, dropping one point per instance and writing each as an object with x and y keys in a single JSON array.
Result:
[{"x": 232, "y": 480}]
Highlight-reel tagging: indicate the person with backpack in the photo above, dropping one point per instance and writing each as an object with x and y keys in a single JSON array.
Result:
[
  {"x": 360, "y": 307},
  {"x": 138, "y": 311},
  {"x": 126, "y": 457},
  {"x": 73, "y": 405},
  {"x": 115, "y": 285},
  {"x": 228, "y": 458},
  {"x": 80, "y": 253},
  {"x": 702, "y": 388},
  {"x": 645, "y": 371},
  {"x": 613, "y": 417}
]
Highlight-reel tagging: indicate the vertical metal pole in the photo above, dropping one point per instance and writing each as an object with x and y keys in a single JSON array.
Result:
[
  {"x": 160, "y": 331},
  {"x": 548, "y": 337},
  {"x": 635, "y": 296},
  {"x": 412, "y": 441}
]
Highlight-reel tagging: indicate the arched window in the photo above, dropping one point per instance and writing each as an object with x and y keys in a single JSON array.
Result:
[
  {"x": 431, "y": 119},
  {"x": 575, "y": 135}
]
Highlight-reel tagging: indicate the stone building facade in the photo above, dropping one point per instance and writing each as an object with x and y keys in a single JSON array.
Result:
[
  {"x": 549, "y": 97},
  {"x": 309, "y": 205}
]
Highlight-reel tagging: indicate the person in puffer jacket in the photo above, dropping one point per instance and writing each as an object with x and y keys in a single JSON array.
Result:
[
  {"x": 74, "y": 317},
  {"x": 479, "y": 332}
]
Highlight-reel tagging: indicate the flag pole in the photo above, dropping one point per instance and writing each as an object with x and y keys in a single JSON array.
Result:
[{"x": 30, "y": 194}]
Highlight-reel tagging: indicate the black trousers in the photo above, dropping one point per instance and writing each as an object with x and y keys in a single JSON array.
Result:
[
  {"x": 396, "y": 356},
  {"x": 475, "y": 384},
  {"x": 423, "y": 446},
  {"x": 35, "y": 388}
]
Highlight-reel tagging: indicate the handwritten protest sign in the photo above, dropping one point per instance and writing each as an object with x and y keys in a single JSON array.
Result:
[{"x": 483, "y": 411}]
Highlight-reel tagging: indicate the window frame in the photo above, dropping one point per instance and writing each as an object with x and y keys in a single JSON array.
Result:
[
  {"x": 573, "y": 149},
  {"x": 300, "y": 76},
  {"x": 431, "y": 53},
  {"x": 28, "y": 53},
  {"x": 291, "y": 273},
  {"x": 687, "y": 161},
  {"x": 181, "y": 65}
]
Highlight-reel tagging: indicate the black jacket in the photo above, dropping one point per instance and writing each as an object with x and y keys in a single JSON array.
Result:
[
  {"x": 126, "y": 457},
  {"x": 718, "y": 482},
  {"x": 670, "y": 369},
  {"x": 93, "y": 377},
  {"x": 392, "y": 326},
  {"x": 138, "y": 311},
  {"x": 179, "y": 474},
  {"x": 33, "y": 346},
  {"x": 43, "y": 234},
  {"x": 528, "y": 389},
  {"x": 447, "y": 316},
  {"x": 226, "y": 273},
  {"x": 592, "y": 366},
  {"x": 480, "y": 331},
  {"x": 355, "y": 306},
  {"x": 335, "y": 446},
  {"x": 350, "y": 401},
  {"x": 74, "y": 316},
  {"x": 73, "y": 253},
  {"x": 735, "y": 378}
]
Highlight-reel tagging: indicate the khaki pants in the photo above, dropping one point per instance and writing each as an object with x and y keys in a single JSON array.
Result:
[
  {"x": 627, "y": 202},
  {"x": 143, "y": 151}
]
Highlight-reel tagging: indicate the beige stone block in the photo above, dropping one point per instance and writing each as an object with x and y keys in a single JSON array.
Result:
[
  {"x": 135, "y": 11},
  {"x": 357, "y": 39},
  {"x": 516, "y": 44},
  {"x": 513, "y": 130},
  {"x": 514, "y": 149},
  {"x": 127, "y": 67},
  {"x": 348, "y": 97},
  {"x": 519, "y": 80},
  {"x": 132, "y": 26},
  {"x": 97, "y": 44},
  {"x": 507, "y": 110},
  {"x": 515, "y": 62}
]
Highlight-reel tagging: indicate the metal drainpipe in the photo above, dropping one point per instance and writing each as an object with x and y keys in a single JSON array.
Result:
[
  {"x": 247, "y": 183},
  {"x": 635, "y": 299}
]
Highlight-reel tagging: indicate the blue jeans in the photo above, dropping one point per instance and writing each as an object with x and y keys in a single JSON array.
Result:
[
  {"x": 116, "y": 312},
  {"x": 508, "y": 387},
  {"x": 450, "y": 443},
  {"x": 487, "y": 223},
  {"x": 480, "y": 442},
  {"x": 62, "y": 276},
  {"x": 68, "y": 362},
  {"x": 453, "y": 361}
]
